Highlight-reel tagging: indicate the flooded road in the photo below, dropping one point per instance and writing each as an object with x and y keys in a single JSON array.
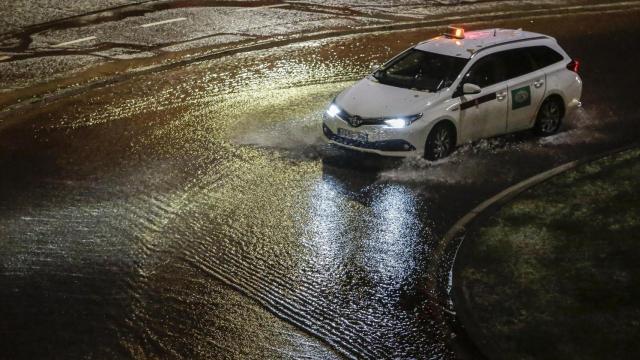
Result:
[{"x": 197, "y": 212}]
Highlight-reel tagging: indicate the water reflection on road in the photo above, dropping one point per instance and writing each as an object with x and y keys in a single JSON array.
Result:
[{"x": 170, "y": 211}]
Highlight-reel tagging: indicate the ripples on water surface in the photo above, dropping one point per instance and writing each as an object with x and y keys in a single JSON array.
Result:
[
  {"x": 195, "y": 180},
  {"x": 160, "y": 217}
]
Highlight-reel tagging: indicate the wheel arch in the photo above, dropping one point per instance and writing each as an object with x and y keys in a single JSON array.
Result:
[
  {"x": 555, "y": 94},
  {"x": 449, "y": 122},
  {"x": 563, "y": 111},
  {"x": 443, "y": 120}
]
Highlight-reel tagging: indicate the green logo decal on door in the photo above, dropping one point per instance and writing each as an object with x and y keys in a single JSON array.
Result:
[{"x": 520, "y": 97}]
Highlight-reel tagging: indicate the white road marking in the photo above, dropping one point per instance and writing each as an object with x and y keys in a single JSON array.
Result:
[
  {"x": 163, "y": 22},
  {"x": 262, "y": 7},
  {"x": 75, "y": 41}
]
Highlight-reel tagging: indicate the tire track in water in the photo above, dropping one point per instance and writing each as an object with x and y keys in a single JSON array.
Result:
[
  {"x": 302, "y": 306},
  {"x": 254, "y": 291},
  {"x": 155, "y": 215},
  {"x": 265, "y": 285},
  {"x": 145, "y": 219}
]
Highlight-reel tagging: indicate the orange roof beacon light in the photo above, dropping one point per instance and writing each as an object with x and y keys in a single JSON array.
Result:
[{"x": 454, "y": 33}]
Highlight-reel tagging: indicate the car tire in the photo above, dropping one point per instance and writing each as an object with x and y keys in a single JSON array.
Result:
[
  {"x": 440, "y": 142},
  {"x": 549, "y": 116}
]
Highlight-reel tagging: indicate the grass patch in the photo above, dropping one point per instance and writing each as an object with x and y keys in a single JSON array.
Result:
[{"x": 555, "y": 274}]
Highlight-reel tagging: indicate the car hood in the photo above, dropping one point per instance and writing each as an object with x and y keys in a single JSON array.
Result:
[{"x": 371, "y": 99}]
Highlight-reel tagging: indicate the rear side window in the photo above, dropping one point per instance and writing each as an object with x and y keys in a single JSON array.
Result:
[
  {"x": 509, "y": 64},
  {"x": 518, "y": 62},
  {"x": 544, "y": 56}
]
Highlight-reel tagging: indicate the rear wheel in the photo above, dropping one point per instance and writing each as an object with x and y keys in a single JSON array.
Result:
[
  {"x": 549, "y": 117},
  {"x": 440, "y": 142}
]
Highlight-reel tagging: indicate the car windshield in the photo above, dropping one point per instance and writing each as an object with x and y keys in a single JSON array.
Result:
[{"x": 421, "y": 70}]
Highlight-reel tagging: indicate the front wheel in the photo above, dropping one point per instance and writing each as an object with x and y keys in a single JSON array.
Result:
[
  {"x": 440, "y": 142},
  {"x": 549, "y": 117}
]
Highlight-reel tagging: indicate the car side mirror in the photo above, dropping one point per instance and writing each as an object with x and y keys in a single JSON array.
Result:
[{"x": 469, "y": 89}]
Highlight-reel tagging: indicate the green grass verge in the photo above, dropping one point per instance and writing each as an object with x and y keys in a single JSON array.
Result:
[{"x": 555, "y": 274}]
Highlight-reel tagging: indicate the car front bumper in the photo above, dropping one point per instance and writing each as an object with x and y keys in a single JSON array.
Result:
[{"x": 382, "y": 140}]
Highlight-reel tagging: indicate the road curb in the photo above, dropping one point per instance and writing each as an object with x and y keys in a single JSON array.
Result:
[{"x": 460, "y": 306}]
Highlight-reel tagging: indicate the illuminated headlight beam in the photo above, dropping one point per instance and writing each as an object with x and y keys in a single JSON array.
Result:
[
  {"x": 396, "y": 123},
  {"x": 401, "y": 122},
  {"x": 333, "y": 110}
]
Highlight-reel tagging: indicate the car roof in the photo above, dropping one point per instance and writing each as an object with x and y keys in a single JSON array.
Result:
[{"x": 475, "y": 41}]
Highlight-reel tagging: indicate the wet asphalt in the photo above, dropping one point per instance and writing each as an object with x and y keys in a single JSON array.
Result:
[{"x": 197, "y": 212}]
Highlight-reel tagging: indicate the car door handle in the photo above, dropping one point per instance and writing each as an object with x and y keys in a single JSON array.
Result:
[
  {"x": 501, "y": 95},
  {"x": 538, "y": 83}
]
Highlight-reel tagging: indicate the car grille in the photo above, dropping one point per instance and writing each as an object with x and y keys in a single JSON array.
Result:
[{"x": 355, "y": 120}]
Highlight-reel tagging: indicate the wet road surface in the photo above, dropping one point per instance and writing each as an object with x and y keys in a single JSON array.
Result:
[
  {"x": 47, "y": 46},
  {"x": 197, "y": 212}
]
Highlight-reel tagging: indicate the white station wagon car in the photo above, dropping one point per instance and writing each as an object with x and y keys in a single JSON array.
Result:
[{"x": 457, "y": 88}]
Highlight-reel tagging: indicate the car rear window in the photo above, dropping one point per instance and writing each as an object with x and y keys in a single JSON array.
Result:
[{"x": 544, "y": 56}]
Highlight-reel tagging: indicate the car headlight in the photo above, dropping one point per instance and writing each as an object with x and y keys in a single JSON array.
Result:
[
  {"x": 402, "y": 121},
  {"x": 333, "y": 110},
  {"x": 396, "y": 123}
]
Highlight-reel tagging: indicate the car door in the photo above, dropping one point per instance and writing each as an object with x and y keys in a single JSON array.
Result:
[
  {"x": 526, "y": 85},
  {"x": 484, "y": 114}
]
